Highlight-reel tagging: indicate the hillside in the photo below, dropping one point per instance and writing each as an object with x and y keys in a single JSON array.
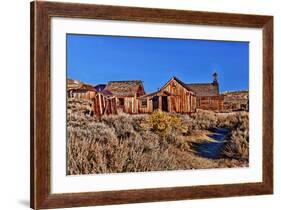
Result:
[{"x": 236, "y": 100}]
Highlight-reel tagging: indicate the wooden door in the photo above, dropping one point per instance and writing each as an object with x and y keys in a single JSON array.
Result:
[
  {"x": 155, "y": 103},
  {"x": 165, "y": 103}
]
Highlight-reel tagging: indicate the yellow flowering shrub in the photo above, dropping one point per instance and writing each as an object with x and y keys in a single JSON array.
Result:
[{"x": 163, "y": 123}]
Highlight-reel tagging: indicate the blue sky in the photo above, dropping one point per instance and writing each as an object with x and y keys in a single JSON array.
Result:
[{"x": 99, "y": 59}]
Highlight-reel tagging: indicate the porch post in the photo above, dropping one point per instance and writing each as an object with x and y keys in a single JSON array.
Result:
[{"x": 160, "y": 102}]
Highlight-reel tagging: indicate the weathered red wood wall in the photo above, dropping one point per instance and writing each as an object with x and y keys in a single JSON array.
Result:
[
  {"x": 214, "y": 103},
  {"x": 145, "y": 109},
  {"x": 180, "y": 99},
  {"x": 130, "y": 104},
  {"x": 82, "y": 94}
]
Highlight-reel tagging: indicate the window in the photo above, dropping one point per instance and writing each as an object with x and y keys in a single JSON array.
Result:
[
  {"x": 121, "y": 101},
  {"x": 144, "y": 103}
]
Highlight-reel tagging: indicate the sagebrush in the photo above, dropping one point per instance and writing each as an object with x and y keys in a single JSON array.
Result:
[{"x": 156, "y": 142}]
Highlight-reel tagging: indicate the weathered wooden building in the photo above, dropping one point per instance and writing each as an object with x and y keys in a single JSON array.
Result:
[
  {"x": 129, "y": 96},
  {"x": 102, "y": 101},
  {"x": 79, "y": 90},
  {"x": 207, "y": 95},
  {"x": 126, "y": 94},
  {"x": 173, "y": 97}
]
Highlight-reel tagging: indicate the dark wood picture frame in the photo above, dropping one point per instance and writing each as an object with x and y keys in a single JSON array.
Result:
[{"x": 41, "y": 14}]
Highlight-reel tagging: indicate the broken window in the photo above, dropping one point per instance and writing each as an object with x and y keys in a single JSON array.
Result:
[
  {"x": 121, "y": 101},
  {"x": 144, "y": 103}
]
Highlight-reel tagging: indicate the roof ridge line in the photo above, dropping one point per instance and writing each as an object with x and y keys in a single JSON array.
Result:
[
  {"x": 125, "y": 81},
  {"x": 199, "y": 83}
]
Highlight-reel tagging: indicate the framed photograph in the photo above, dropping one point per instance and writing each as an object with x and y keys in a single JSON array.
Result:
[{"x": 141, "y": 105}]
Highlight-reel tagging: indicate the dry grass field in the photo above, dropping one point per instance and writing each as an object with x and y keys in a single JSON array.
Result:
[{"x": 156, "y": 142}]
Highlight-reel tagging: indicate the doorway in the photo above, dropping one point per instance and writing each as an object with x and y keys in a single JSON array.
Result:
[
  {"x": 165, "y": 103},
  {"x": 155, "y": 103}
]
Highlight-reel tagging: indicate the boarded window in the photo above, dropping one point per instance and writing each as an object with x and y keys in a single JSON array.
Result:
[
  {"x": 144, "y": 103},
  {"x": 121, "y": 101}
]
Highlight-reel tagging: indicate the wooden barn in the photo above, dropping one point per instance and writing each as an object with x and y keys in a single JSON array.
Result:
[
  {"x": 126, "y": 94},
  {"x": 207, "y": 95},
  {"x": 174, "y": 97}
]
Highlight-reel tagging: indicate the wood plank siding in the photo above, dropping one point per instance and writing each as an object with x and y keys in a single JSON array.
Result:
[
  {"x": 172, "y": 97},
  {"x": 207, "y": 95},
  {"x": 214, "y": 103}
]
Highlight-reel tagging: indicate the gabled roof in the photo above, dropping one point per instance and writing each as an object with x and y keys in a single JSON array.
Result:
[
  {"x": 78, "y": 85},
  {"x": 178, "y": 81},
  {"x": 73, "y": 83},
  {"x": 204, "y": 89},
  {"x": 124, "y": 88},
  {"x": 182, "y": 84}
]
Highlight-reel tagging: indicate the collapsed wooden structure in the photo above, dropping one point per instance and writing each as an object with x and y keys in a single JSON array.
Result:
[{"x": 130, "y": 97}]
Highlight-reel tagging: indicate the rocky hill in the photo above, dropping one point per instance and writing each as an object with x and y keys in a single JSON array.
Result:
[{"x": 236, "y": 100}]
